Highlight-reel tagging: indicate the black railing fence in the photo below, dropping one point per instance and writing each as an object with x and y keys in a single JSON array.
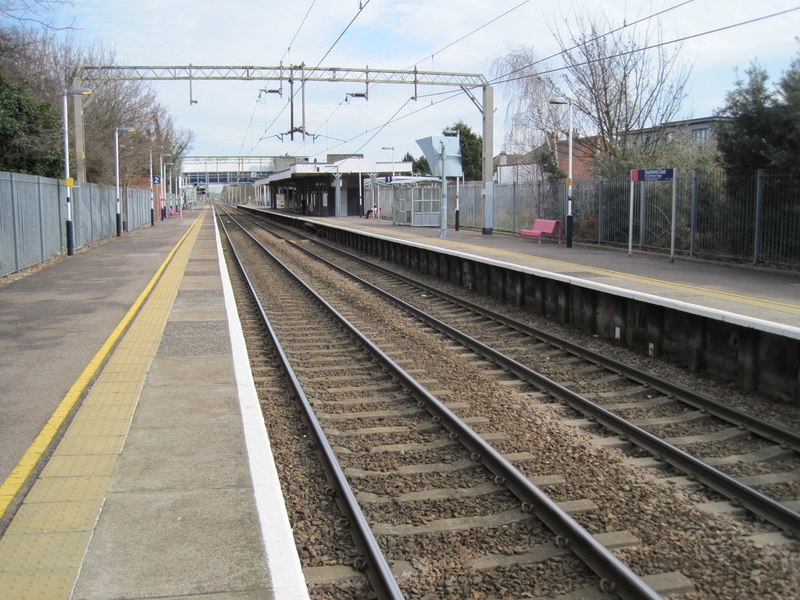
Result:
[{"x": 751, "y": 218}]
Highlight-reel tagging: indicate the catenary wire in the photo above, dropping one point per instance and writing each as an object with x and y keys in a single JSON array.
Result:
[{"x": 361, "y": 7}]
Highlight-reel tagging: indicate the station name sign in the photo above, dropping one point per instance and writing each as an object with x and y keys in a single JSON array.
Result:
[{"x": 652, "y": 174}]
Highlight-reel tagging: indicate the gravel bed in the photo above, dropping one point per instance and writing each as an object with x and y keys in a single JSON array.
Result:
[
  {"x": 400, "y": 484},
  {"x": 386, "y": 461},
  {"x": 423, "y": 511},
  {"x": 718, "y": 449}
]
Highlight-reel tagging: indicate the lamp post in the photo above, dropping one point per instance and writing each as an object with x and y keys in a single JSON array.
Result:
[
  {"x": 162, "y": 197},
  {"x": 392, "y": 149},
  {"x": 169, "y": 188},
  {"x": 116, "y": 165},
  {"x": 568, "y": 101},
  {"x": 152, "y": 193},
  {"x": 68, "y": 182}
]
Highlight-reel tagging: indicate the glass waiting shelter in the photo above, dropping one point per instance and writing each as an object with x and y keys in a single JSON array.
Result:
[{"x": 417, "y": 201}]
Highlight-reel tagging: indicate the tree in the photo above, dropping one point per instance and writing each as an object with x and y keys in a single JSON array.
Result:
[
  {"x": 621, "y": 87},
  {"x": 530, "y": 118},
  {"x": 470, "y": 144},
  {"x": 789, "y": 118},
  {"x": 29, "y": 133},
  {"x": 616, "y": 87},
  {"x": 744, "y": 138},
  {"x": 28, "y": 11},
  {"x": 761, "y": 129},
  {"x": 47, "y": 64},
  {"x": 419, "y": 166}
]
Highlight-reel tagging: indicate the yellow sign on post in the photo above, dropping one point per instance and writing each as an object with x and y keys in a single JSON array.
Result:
[
  {"x": 569, "y": 180},
  {"x": 69, "y": 181}
]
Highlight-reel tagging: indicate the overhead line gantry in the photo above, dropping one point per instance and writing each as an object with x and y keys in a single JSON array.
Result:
[{"x": 466, "y": 81}]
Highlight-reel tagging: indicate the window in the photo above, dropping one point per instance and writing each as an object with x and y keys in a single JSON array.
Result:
[{"x": 700, "y": 136}]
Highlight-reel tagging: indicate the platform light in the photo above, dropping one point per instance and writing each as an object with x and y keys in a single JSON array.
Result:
[
  {"x": 116, "y": 163},
  {"x": 568, "y": 102}
]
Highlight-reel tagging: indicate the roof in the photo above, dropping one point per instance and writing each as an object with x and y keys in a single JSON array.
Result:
[{"x": 346, "y": 166}]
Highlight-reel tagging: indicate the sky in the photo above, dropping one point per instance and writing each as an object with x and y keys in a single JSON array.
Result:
[{"x": 232, "y": 118}]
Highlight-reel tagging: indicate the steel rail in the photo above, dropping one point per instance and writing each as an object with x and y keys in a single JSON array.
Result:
[
  {"x": 767, "y": 508},
  {"x": 380, "y": 574},
  {"x": 614, "y": 574}
]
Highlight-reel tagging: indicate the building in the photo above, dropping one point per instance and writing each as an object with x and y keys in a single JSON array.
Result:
[
  {"x": 700, "y": 131},
  {"x": 526, "y": 168},
  {"x": 341, "y": 186},
  {"x": 209, "y": 174}
]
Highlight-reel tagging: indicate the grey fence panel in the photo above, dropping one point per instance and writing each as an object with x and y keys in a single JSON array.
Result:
[
  {"x": 470, "y": 212},
  {"x": 9, "y": 259},
  {"x": 53, "y": 196},
  {"x": 137, "y": 208},
  {"x": 33, "y": 214},
  {"x": 780, "y": 239},
  {"x": 28, "y": 219}
]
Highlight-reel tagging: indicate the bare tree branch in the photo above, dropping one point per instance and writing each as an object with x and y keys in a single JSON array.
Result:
[{"x": 26, "y": 12}]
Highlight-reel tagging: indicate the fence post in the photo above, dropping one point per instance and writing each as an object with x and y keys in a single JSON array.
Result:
[
  {"x": 693, "y": 215},
  {"x": 14, "y": 222},
  {"x": 642, "y": 213},
  {"x": 538, "y": 194},
  {"x": 601, "y": 197},
  {"x": 41, "y": 218},
  {"x": 514, "y": 202},
  {"x": 759, "y": 216}
]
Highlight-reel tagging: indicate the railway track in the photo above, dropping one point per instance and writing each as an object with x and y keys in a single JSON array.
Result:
[
  {"x": 754, "y": 464},
  {"x": 417, "y": 478}
]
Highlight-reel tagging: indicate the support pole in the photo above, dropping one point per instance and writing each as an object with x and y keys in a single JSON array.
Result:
[
  {"x": 488, "y": 160},
  {"x": 80, "y": 134},
  {"x": 443, "y": 202}
]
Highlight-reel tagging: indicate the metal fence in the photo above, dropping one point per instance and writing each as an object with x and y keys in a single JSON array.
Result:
[
  {"x": 33, "y": 216},
  {"x": 753, "y": 218}
]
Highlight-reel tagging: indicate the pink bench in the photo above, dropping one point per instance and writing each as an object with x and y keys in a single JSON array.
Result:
[{"x": 542, "y": 227}]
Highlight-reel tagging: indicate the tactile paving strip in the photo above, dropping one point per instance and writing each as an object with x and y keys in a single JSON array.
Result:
[{"x": 42, "y": 550}]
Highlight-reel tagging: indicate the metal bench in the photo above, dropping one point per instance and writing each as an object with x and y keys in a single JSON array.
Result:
[{"x": 543, "y": 227}]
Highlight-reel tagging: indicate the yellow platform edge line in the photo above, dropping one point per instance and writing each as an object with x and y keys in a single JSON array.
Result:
[{"x": 20, "y": 473}]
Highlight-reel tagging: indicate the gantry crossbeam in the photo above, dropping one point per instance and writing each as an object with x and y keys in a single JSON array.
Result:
[
  {"x": 302, "y": 74},
  {"x": 295, "y": 72}
]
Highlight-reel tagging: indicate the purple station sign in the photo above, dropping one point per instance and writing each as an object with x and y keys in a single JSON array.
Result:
[{"x": 652, "y": 174}]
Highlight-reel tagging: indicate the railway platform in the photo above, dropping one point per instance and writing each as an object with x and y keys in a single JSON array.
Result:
[{"x": 134, "y": 460}]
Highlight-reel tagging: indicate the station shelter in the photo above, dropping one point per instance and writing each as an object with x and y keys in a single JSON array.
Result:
[
  {"x": 414, "y": 201},
  {"x": 341, "y": 186}
]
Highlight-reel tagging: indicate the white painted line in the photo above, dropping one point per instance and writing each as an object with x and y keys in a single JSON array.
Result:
[{"x": 283, "y": 562}]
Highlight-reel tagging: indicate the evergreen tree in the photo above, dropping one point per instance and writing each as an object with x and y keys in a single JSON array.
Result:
[
  {"x": 761, "y": 126},
  {"x": 29, "y": 133},
  {"x": 419, "y": 166},
  {"x": 471, "y": 149}
]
